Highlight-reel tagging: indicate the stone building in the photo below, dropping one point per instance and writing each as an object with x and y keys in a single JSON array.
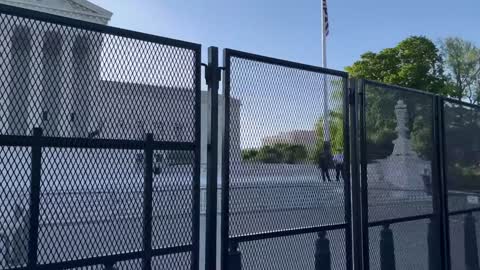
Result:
[
  {"x": 43, "y": 66},
  {"x": 56, "y": 78},
  {"x": 306, "y": 138}
]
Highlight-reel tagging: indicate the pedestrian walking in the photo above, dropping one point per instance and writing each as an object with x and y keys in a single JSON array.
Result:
[
  {"x": 339, "y": 166},
  {"x": 324, "y": 165}
]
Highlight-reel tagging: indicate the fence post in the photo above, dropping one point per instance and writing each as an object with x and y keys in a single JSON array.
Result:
[
  {"x": 34, "y": 210},
  {"x": 212, "y": 75},
  {"x": 147, "y": 203},
  {"x": 387, "y": 249},
  {"x": 471, "y": 247},
  {"x": 234, "y": 257},
  {"x": 323, "y": 256},
  {"x": 433, "y": 244},
  {"x": 110, "y": 266},
  {"x": 439, "y": 191}
]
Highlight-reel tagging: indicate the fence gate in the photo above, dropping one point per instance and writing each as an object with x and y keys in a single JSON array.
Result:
[
  {"x": 277, "y": 210},
  {"x": 99, "y": 146},
  {"x": 461, "y": 160},
  {"x": 400, "y": 181}
]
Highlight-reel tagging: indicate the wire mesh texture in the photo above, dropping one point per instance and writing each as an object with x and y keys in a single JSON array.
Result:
[
  {"x": 95, "y": 92},
  {"x": 462, "y": 157},
  {"x": 277, "y": 133},
  {"x": 399, "y": 169},
  {"x": 462, "y": 239},
  {"x": 462, "y": 166},
  {"x": 410, "y": 242},
  {"x": 399, "y": 148},
  {"x": 291, "y": 252}
]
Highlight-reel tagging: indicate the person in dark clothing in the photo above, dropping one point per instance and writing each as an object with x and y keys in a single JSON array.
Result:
[
  {"x": 339, "y": 166},
  {"x": 324, "y": 165}
]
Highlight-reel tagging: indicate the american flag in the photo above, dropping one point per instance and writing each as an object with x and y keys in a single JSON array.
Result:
[{"x": 325, "y": 18}]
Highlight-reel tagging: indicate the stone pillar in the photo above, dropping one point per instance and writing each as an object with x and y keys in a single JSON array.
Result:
[
  {"x": 19, "y": 86},
  {"x": 82, "y": 71},
  {"x": 51, "y": 83}
]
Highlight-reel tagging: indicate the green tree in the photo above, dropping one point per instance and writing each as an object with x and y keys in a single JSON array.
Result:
[
  {"x": 278, "y": 153},
  {"x": 249, "y": 154},
  {"x": 414, "y": 63},
  {"x": 294, "y": 153},
  {"x": 336, "y": 135},
  {"x": 270, "y": 154},
  {"x": 462, "y": 64}
]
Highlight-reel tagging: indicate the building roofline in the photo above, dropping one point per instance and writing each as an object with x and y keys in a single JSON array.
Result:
[
  {"x": 96, "y": 14},
  {"x": 106, "y": 13}
]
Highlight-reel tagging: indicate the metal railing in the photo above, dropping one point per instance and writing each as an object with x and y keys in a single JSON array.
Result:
[{"x": 84, "y": 188}]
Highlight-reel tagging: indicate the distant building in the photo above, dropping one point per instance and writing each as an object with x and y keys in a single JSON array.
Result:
[
  {"x": 306, "y": 138},
  {"x": 52, "y": 78},
  {"x": 52, "y": 62},
  {"x": 76, "y": 9}
]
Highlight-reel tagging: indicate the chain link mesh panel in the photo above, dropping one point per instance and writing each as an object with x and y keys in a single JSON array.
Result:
[
  {"x": 281, "y": 115},
  {"x": 95, "y": 92},
  {"x": 15, "y": 185},
  {"x": 291, "y": 252},
  {"x": 462, "y": 240},
  {"x": 462, "y": 161},
  {"x": 399, "y": 148},
  {"x": 78, "y": 83},
  {"x": 410, "y": 242},
  {"x": 462, "y": 147}
]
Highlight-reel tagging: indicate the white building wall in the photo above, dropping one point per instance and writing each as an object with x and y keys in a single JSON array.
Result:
[{"x": 48, "y": 85}]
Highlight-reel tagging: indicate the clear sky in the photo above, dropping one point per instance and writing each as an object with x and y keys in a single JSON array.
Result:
[{"x": 291, "y": 29}]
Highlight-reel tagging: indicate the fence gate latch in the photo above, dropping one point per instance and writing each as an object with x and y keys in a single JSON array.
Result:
[{"x": 351, "y": 96}]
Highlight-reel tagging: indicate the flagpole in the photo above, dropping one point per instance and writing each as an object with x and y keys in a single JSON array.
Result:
[{"x": 326, "y": 113}]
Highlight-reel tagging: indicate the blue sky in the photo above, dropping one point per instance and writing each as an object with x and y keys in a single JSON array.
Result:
[{"x": 291, "y": 29}]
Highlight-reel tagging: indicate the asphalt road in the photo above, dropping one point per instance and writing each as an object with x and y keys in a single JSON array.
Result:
[{"x": 95, "y": 219}]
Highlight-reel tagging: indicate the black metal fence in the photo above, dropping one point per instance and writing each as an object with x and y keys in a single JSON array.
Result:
[
  {"x": 100, "y": 156},
  {"x": 100, "y": 146},
  {"x": 461, "y": 162},
  {"x": 275, "y": 199},
  {"x": 399, "y": 178}
]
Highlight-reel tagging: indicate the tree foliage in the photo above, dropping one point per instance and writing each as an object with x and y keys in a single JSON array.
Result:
[
  {"x": 277, "y": 153},
  {"x": 462, "y": 64},
  {"x": 453, "y": 69},
  {"x": 336, "y": 135},
  {"x": 462, "y": 124},
  {"x": 414, "y": 63}
]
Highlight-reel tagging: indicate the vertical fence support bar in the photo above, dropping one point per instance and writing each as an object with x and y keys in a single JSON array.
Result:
[
  {"x": 355, "y": 178},
  {"x": 323, "y": 255},
  {"x": 363, "y": 176},
  {"x": 212, "y": 75},
  {"x": 433, "y": 236},
  {"x": 349, "y": 98},
  {"x": 34, "y": 210},
  {"x": 443, "y": 191},
  {"x": 470, "y": 243},
  {"x": 436, "y": 228},
  {"x": 147, "y": 203},
  {"x": 387, "y": 249},
  {"x": 195, "y": 258},
  {"x": 225, "y": 164},
  {"x": 234, "y": 257}
]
